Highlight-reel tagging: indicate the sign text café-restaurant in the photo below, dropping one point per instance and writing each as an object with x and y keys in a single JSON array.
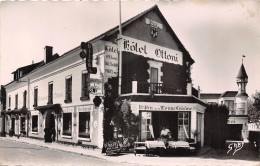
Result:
[{"x": 153, "y": 77}]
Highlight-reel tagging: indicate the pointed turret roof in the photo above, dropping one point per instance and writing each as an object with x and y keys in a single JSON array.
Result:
[{"x": 242, "y": 72}]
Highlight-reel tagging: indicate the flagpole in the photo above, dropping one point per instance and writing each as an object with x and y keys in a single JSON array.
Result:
[{"x": 120, "y": 52}]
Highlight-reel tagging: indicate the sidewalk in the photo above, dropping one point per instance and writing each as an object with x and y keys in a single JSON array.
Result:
[{"x": 130, "y": 158}]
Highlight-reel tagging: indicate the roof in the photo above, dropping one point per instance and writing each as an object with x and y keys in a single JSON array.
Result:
[
  {"x": 210, "y": 95},
  {"x": 229, "y": 94},
  {"x": 242, "y": 72},
  {"x": 115, "y": 30},
  {"x": 30, "y": 67}
]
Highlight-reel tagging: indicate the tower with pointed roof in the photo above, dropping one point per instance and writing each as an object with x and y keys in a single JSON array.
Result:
[{"x": 241, "y": 97}]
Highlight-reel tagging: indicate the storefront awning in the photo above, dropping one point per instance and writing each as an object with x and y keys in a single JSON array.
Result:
[
  {"x": 165, "y": 99},
  {"x": 9, "y": 111},
  {"x": 50, "y": 107},
  {"x": 21, "y": 111}
]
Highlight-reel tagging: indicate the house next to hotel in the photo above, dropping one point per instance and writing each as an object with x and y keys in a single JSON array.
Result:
[
  {"x": 236, "y": 102},
  {"x": 151, "y": 75}
]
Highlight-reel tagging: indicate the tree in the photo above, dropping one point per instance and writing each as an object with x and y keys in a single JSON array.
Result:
[{"x": 254, "y": 108}]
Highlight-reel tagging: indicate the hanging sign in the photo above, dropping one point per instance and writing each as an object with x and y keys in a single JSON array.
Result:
[
  {"x": 111, "y": 60},
  {"x": 149, "y": 50}
]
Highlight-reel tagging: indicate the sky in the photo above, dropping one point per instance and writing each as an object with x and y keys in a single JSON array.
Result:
[{"x": 216, "y": 34}]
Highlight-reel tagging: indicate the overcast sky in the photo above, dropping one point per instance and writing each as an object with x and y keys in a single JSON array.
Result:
[{"x": 216, "y": 33}]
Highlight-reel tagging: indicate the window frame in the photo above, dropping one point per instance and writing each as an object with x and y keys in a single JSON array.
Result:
[
  {"x": 89, "y": 126},
  {"x": 24, "y": 99},
  {"x": 50, "y": 93},
  {"x": 35, "y": 97},
  {"x": 71, "y": 125},
  {"x": 85, "y": 76},
  {"x": 16, "y": 101},
  {"x": 68, "y": 89},
  {"x": 34, "y": 131}
]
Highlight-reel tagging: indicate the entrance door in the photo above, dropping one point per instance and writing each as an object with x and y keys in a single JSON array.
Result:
[
  {"x": 49, "y": 130},
  {"x": 234, "y": 132},
  {"x": 13, "y": 124},
  {"x": 22, "y": 124},
  {"x": 154, "y": 79}
]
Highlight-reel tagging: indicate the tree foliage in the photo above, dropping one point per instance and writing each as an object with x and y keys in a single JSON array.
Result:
[{"x": 254, "y": 108}]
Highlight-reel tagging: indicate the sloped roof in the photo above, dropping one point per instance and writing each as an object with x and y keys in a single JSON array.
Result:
[
  {"x": 242, "y": 72},
  {"x": 229, "y": 94},
  {"x": 210, "y": 95},
  {"x": 30, "y": 67},
  {"x": 115, "y": 30}
]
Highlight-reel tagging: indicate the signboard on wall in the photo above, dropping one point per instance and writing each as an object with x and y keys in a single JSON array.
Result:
[
  {"x": 149, "y": 50},
  {"x": 111, "y": 60},
  {"x": 165, "y": 108}
]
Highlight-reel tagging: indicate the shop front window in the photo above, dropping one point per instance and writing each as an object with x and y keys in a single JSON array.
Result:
[
  {"x": 35, "y": 123},
  {"x": 183, "y": 126},
  {"x": 67, "y": 124},
  {"x": 84, "y": 124},
  {"x": 146, "y": 126}
]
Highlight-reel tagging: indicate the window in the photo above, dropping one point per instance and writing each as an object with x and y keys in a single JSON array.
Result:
[
  {"x": 230, "y": 104},
  {"x": 145, "y": 126},
  {"x": 35, "y": 97},
  {"x": 50, "y": 91},
  {"x": 10, "y": 102},
  {"x": 154, "y": 79},
  {"x": 35, "y": 123},
  {"x": 183, "y": 126},
  {"x": 16, "y": 101},
  {"x": 24, "y": 98},
  {"x": 85, "y": 86},
  {"x": 84, "y": 124},
  {"x": 67, "y": 124},
  {"x": 68, "y": 96}
]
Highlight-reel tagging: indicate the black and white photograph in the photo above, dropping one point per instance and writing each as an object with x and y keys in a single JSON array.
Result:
[{"x": 130, "y": 82}]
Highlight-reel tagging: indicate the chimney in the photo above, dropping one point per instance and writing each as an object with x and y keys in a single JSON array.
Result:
[{"x": 47, "y": 54}]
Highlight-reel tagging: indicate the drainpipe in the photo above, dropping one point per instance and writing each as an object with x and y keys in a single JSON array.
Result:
[
  {"x": 120, "y": 52},
  {"x": 28, "y": 106}
]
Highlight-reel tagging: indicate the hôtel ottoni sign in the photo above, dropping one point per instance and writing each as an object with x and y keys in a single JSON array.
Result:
[{"x": 149, "y": 50}]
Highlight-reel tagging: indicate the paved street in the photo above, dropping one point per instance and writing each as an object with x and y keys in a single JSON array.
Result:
[
  {"x": 36, "y": 152},
  {"x": 16, "y": 153}
]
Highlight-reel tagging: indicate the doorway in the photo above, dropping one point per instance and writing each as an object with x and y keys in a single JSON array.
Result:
[
  {"x": 50, "y": 131},
  {"x": 13, "y": 124},
  {"x": 234, "y": 132}
]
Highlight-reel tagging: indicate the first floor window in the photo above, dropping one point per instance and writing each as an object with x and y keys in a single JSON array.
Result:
[
  {"x": 84, "y": 86},
  {"x": 183, "y": 126},
  {"x": 35, "y": 123},
  {"x": 67, "y": 124},
  {"x": 84, "y": 124}
]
